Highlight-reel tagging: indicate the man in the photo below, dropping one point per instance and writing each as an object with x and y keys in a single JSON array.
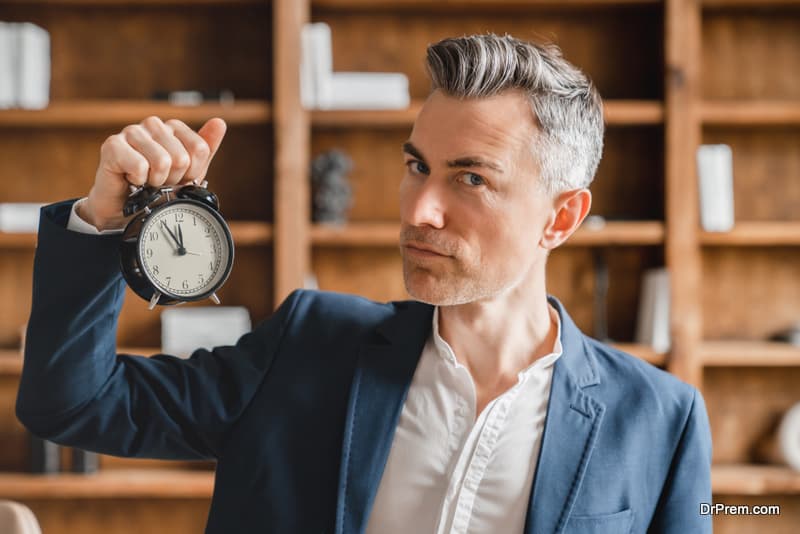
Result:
[{"x": 479, "y": 407}]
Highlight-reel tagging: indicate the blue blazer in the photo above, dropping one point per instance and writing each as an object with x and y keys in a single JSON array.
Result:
[{"x": 300, "y": 413}]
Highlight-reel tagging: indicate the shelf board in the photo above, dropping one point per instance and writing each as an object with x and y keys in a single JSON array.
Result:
[
  {"x": 494, "y": 5},
  {"x": 643, "y": 352},
  {"x": 387, "y": 234},
  {"x": 744, "y": 479},
  {"x": 110, "y": 484},
  {"x": 749, "y": 353},
  {"x": 750, "y": 113},
  {"x": 767, "y": 233},
  {"x": 749, "y": 3},
  {"x": 128, "y": 3},
  {"x": 96, "y": 113},
  {"x": 245, "y": 234},
  {"x": 617, "y": 112}
]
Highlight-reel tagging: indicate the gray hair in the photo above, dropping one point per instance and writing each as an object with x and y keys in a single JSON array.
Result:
[{"x": 567, "y": 106}]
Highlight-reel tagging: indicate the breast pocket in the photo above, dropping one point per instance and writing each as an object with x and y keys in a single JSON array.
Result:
[{"x": 618, "y": 523}]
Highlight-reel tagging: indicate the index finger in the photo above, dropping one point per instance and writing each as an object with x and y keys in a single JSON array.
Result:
[{"x": 201, "y": 145}]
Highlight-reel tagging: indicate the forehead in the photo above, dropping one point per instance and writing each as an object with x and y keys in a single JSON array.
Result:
[{"x": 500, "y": 125}]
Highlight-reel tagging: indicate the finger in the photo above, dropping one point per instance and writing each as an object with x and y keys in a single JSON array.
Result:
[
  {"x": 157, "y": 156},
  {"x": 164, "y": 135},
  {"x": 121, "y": 158},
  {"x": 201, "y": 145}
]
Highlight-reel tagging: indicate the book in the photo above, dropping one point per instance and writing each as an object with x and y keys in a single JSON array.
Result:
[
  {"x": 715, "y": 176},
  {"x": 8, "y": 55},
  {"x": 653, "y": 324},
  {"x": 33, "y": 66},
  {"x": 85, "y": 461},
  {"x": 45, "y": 456},
  {"x": 19, "y": 217},
  {"x": 316, "y": 64},
  {"x": 184, "y": 330}
]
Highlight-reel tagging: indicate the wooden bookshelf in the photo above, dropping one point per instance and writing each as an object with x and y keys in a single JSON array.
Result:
[
  {"x": 754, "y": 480},
  {"x": 644, "y": 352},
  {"x": 749, "y": 354},
  {"x": 756, "y": 234},
  {"x": 101, "y": 113},
  {"x": 749, "y": 113},
  {"x": 432, "y": 5},
  {"x": 109, "y": 484}
]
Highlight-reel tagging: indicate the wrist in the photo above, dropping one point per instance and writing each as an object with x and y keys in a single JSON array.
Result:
[{"x": 84, "y": 208}]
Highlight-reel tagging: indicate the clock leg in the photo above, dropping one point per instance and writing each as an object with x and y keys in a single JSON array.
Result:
[
  {"x": 154, "y": 300},
  {"x": 214, "y": 298}
]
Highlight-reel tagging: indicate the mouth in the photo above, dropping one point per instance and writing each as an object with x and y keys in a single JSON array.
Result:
[{"x": 422, "y": 251}]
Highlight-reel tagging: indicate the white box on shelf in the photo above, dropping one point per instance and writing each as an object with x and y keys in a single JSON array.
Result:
[
  {"x": 715, "y": 176},
  {"x": 33, "y": 73},
  {"x": 184, "y": 330},
  {"x": 8, "y": 59},
  {"x": 19, "y": 217},
  {"x": 368, "y": 90},
  {"x": 652, "y": 325}
]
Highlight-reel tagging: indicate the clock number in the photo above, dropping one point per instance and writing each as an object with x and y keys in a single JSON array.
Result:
[
  {"x": 194, "y": 220},
  {"x": 155, "y": 269},
  {"x": 153, "y": 236},
  {"x": 202, "y": 280},
  {"x": 179, "y": 217},
  {"x": 169, "y": 279},
  {"x": 185, "y": 284},
  {"x": 211, "y": 265},
  {"x": 208, "y": 230},
  {"x": 149, "y": 252}
]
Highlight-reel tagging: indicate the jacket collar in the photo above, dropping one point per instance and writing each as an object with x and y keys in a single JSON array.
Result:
[{"x": 381, "y": 380}]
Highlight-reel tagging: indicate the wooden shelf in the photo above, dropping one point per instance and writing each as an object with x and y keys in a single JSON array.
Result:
[
  {"x": 749, "y": 3},
  {"x": 110, "y": 484},
  {"x": 749, "y": 353},
  {"x": 750, "y": 113},
  {"x": 755, "y": 234},
  {"x": 97, "y": 113},
  {"x": 643, "y": 352},
  {"x": 387, "y": 234},
  {"x": 617, "y": 112},
  {"x": 245, "y": 234},
  {"x": 433, "y": 5},
  {"x": 128, "y": 3},
  {"x": 744, "y": 479}
]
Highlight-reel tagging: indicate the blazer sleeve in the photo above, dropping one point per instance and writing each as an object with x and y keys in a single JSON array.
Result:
[
  {"x": 75, "y": 390},
  {"x": 689, "y": 481}
]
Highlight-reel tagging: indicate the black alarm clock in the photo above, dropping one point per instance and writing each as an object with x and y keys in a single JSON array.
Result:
[{"x": 177, "y": 248}]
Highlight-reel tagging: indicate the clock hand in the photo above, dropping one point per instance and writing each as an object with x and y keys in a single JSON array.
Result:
[
  {"x": 181, "y": 251},
  {"x": 181, "y": 248}
]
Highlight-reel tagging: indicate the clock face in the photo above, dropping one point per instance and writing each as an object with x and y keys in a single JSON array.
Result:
[{"x": 185, "y": 250}]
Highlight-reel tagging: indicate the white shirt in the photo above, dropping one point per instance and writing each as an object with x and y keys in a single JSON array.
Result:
[
  {"x": 448, "y": 473},
  {"x": 76, "y": 224}
]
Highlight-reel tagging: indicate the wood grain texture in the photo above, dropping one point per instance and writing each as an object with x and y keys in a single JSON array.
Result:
[
  {"x": 766, "y": 164},
  {"x": 135, "y": 50},
  {"x": 619, "y": 48},
  {"x": 744, "y": 405},
  {"x": 786, "y": 523},
  {"x": 747, "y": 56},
  {"x": 749, "y": 295}
]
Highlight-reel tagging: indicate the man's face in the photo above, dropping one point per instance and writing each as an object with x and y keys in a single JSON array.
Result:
[{"x": 470, "y": 192}]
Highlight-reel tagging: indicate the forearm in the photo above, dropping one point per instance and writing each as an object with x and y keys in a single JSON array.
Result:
[{"x": 70, "y": 344}]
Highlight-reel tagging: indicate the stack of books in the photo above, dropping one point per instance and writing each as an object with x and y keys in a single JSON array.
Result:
[
  {"x": 321, "y": 88},
  {"x": 24, "y": 66}
]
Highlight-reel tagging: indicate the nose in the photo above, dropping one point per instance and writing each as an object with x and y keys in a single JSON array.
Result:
[{"x": 422, "y": 203}]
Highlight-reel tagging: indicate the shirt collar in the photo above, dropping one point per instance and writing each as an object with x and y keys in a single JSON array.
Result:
[{"x": 444, "y": 350}]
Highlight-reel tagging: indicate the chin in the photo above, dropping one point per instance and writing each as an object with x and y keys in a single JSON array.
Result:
[{"x": 443, "y": 290}]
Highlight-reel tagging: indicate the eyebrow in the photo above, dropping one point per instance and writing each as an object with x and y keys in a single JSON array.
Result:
[{"x": 465, "y": 162}]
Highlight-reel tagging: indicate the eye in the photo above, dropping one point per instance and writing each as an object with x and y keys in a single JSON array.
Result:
[
  {"x": 475, "y": 180},
  {"x": 417, "y": 167}
]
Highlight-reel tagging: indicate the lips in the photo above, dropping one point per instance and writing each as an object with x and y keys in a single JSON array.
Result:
[{"x": 422, "y": 249}]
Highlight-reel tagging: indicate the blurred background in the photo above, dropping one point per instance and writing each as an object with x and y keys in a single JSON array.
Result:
[{"x": 690, "y": 259}]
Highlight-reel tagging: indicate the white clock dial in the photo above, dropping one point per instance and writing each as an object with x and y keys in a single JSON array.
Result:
[{"x": 185, "y": 250}]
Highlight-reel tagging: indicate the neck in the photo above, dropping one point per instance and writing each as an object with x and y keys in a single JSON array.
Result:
[{"x": 496, "y": 338}]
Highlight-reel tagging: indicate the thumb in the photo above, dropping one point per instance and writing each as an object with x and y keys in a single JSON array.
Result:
[{"x": 212, "y": 132}]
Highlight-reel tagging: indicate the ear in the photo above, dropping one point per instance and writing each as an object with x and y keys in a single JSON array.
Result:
[{"x": 569, "y": 210}]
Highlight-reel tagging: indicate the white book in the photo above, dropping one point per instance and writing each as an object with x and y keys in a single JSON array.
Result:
[
  {"x": 322, "y": 62},
  {"x": 715, "y": 176},
  {"x": 33, "y": 75},
  {"x": 8, "y": 58},
  {"x": 308, "y": 90},
  {"x": 653, "y": 324},
  {"x": 184, "y": 330},
  {"x": 19, "y": 217},
  {"x": 368, "y": 90}
]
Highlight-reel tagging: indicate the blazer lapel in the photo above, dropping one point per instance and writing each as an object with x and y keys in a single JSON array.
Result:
[
  {"x": 380, "y": 384},
  {"x": 573, "y": 421}
]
